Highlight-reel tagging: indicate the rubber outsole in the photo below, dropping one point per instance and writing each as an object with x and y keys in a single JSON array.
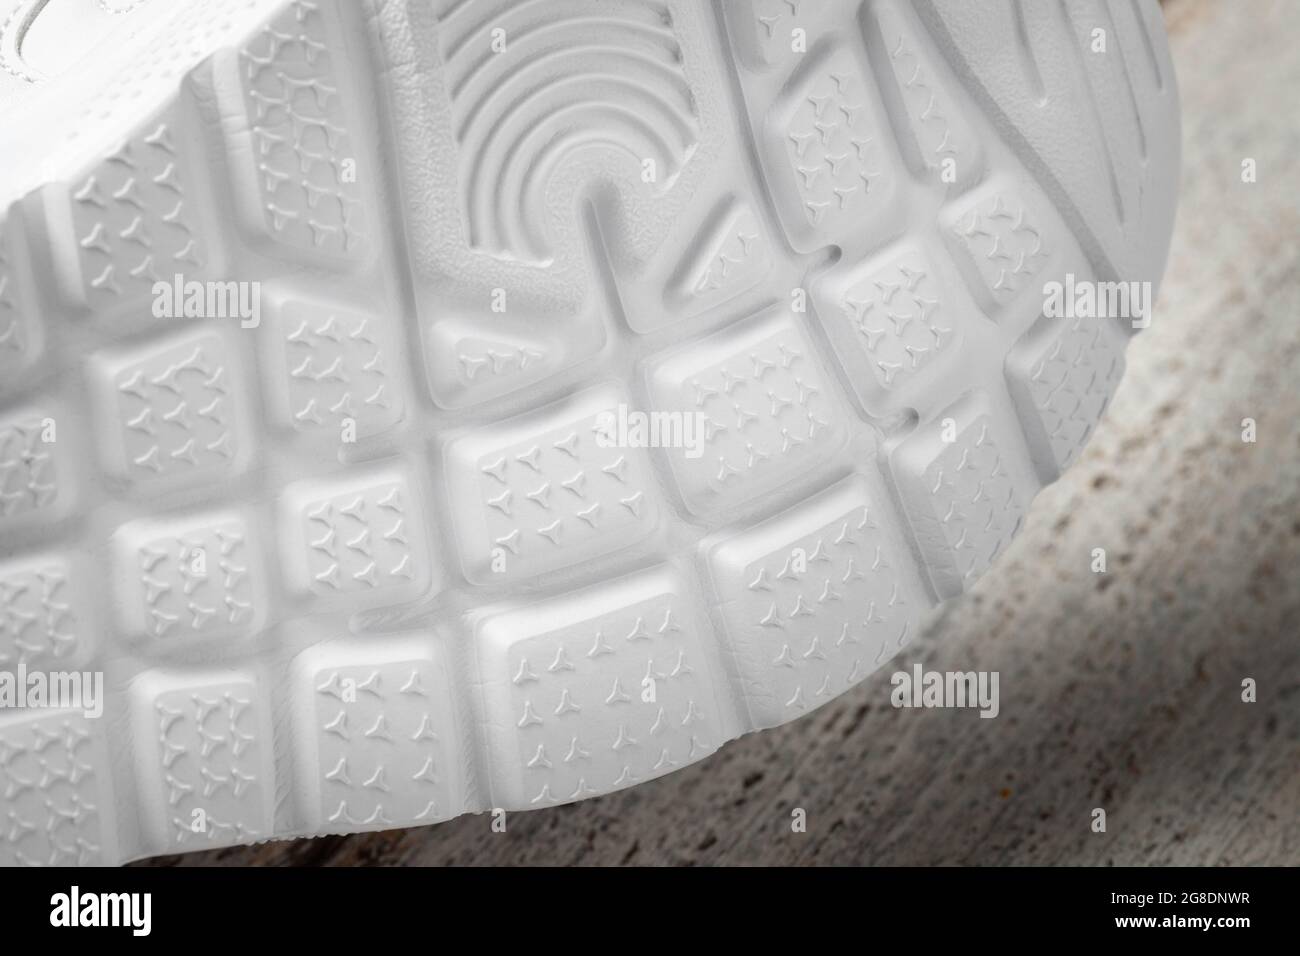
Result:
[{"x": 368, "y": 564}]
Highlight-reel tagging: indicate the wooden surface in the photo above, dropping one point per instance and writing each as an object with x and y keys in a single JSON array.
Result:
[{"x": 1120, "y": 690}]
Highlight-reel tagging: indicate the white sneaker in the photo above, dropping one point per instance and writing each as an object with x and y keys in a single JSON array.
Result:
[{"x": 411, "y": 409}]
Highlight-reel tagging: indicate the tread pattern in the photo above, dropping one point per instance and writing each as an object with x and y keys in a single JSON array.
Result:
[
  {"x": 300, "y": 137},
  {"x": 39, "y": 626},
  {"x": 176, "y": 418},
  {"x": 607, "y": 692},
  {"x": 765, "y": 412},
  {"x": 383, "y": 737},
  {"x": 373, "y": 562},
  {"x": 895, "y": 323},
  {"x": 529, "y": 85},
  {"x": 963, "y": 500},
  {"x": 814, "y": 600},
  {"x": 830, "y": 136},
  {"x": 54, "y": 779},
  {"x": 360, "y": 538},
  {"x": 208, "y": 778},
  {"x": 31, "y": 485},
  {"x": 734, "y": 257},
  {"x": 1063, "y": 383},
  {"x": 337, "y": 368},
  {"x": 16, "y": 346},
  {"x": 134, "y": 221},
  {"x": 191, "y": 577},
  {"x": 1005, "y": 244},
  {"x": 940, "y": 130},
  {"x": 544, "y": 494}
]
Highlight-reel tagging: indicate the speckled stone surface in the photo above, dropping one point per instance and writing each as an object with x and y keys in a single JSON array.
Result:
[{"x": 1121, "y": 690}]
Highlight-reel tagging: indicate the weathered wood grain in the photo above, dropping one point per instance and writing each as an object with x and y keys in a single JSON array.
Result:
[{"x": 1120, "y": 691}]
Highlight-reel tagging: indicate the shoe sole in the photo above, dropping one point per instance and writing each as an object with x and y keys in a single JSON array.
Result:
[{"x": 820, "y": 236}]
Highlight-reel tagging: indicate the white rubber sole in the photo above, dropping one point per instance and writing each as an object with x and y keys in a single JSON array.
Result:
[{"x": 478, "y": 226}]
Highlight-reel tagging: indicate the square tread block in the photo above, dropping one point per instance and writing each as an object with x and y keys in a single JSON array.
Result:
[
  {"x": 378, "y": 741},
  {"x": 204, "y": 757},
  {"x": 55, "y": 790},
  {"x": 547, "y": 491},
  {"x": 815, "y": 599},
  {"x": 765, "y": 407},
  {"x": 191, "y": 576},
  {"x": 596, "y": 690},
  {"x": 356, "y": 539}
]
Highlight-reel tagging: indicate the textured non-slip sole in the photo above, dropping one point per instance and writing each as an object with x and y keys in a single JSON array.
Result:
[{"x": 478, "y": 227}]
